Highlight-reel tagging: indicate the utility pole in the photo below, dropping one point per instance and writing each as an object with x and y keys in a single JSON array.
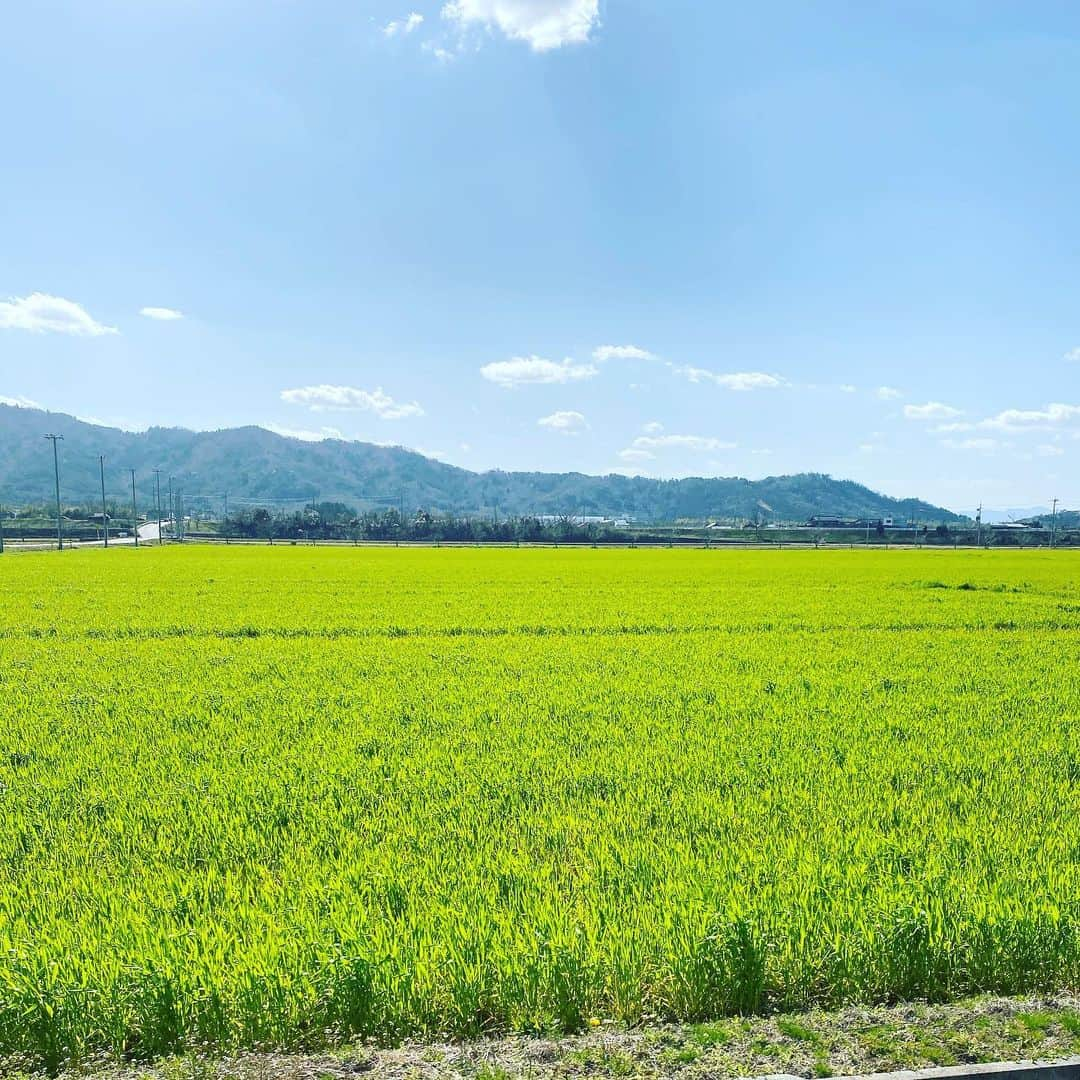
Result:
[
  {"x": 157, "y": 503},
  {"x": 56, "y": 473},
  {"x": 172, "y": 510},
  {"x": 1053, "y": 524},
  {"x": 978, "y": 523},
  {"x": 104, "y": 515},
  {"x": 1, "y": 528},
  {"x": 134, "y": 510}
]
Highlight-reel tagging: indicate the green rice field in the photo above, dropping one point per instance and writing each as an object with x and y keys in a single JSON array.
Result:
[{"x": 290, "y": 796}]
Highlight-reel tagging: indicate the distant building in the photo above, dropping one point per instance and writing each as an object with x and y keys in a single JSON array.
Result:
[
  {"x": 831, "y": 522},
  {"x": 584, "y": 519}
]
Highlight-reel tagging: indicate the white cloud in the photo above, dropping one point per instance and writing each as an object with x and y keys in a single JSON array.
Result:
[
  {"x": 305, "y": 434},
  {"x": 20, "y": 402},
  {"x": 42, "y": 313},
  {"x": 566, "y": 421},
  {"x": 1073, "y": 355},
  {"x": 1049, "y": 450},
  {"x": 349, "y": 398},
  {"x": 621, "y": 352},
  {"x": 956, "y": 425},
  {"x": 735, "y": 380},
  {"x": 682, "y": 442},
  {"x": 122, "y": 423},
  {"x": 653, "y": 427},
  {"x": 848, "y": 388},
  {"x": 888, "y": 393},
  {"x": 932, "y": 410},
  {"x": 403, "y": 26},
  {"x": 1054, "y": 415},
  {"x": 761, "y": 453},
  {"x": 162, "y": 314},
  {"x": 970, "y": 444},
  {"x": 543, "y": 24},
  {"x": 532, "y": 370},
  {"x": 631, "y": 454}
]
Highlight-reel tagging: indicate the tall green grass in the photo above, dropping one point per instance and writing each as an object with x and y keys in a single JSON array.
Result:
[{"x": 287, "y": 797}]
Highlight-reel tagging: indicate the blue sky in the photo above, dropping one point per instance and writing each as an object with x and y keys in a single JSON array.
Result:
[{"x": 672, "y": 237}]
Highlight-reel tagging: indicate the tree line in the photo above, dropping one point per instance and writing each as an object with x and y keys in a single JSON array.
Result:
[{"x": 335, "y": 521}]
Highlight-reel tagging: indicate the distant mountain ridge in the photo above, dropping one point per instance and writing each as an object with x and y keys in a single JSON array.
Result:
[{"x": 252, "y": 463}]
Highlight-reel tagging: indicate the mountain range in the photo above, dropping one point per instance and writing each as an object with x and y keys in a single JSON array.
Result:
[{"x": 254, "y": 465}]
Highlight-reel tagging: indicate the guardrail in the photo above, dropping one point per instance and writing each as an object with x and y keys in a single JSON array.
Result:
[{"x": 1066, "y": 1069}]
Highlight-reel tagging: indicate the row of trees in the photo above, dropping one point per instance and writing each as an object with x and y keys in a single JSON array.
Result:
[{"x": 334, "y": 521}]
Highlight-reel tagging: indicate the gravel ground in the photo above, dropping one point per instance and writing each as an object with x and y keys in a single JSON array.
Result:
[{"x": 858, "y": 1039}]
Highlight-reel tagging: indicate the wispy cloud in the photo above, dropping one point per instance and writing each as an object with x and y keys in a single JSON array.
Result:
[
  {"x": 351, "y": 399},
  {"x": 1053, "y": 415},
  {"x": 566, "y": 421},
  {"x": 305, "y": 434},
  {"x": 1049, "y": 450},
  {"x": 1014, "y": 421},
  {"x": 122, "y": 423},
  {"x": 404, "y": 25},
  {"x": 1073, "y": 355},
  {"x": 603, "y": 353},
  {"x": 20, "y": 402},
  {"x": 42, "y": 313},
  {"x": 532, "y": 370},
  {"x": 632, "y": 454},
  {"x": 542, "y": 24},
  {"x": 932, "y": 410},
  {"x": 653, "y": 427},
  {"x": 442, "y": 54},
  {"x": 739, "y": 381},
  {"x": 681, "y": 442},
  {"x": 888, "y": 393},
  {"x": 162, "y": 314},
  {"x": 982, "y": 444}
]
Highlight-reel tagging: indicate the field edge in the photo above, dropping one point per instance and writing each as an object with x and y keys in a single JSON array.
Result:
[{"x": 856, "y": 1040}]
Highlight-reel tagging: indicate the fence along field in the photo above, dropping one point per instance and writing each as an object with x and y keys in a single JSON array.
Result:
[{"x": 290, "y": 796}]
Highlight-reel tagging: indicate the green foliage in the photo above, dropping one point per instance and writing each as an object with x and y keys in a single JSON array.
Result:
[{"x": 289, "y": 796}]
